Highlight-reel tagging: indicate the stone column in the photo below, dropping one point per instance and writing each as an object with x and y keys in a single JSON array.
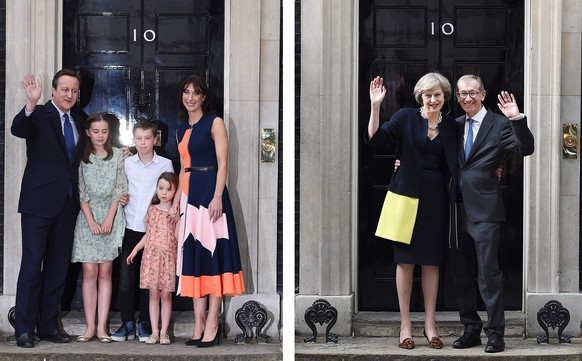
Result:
[
  {"x": 326, "y": 219},
  {"x": 33, "y": 45},
  {"x": 252, "y": 103},
  {"x": 552, "y": 184}
]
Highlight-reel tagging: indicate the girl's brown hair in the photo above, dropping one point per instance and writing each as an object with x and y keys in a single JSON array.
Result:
[
  {"x": 97, "y": 117},
  {"x": 169, "y": 177}
]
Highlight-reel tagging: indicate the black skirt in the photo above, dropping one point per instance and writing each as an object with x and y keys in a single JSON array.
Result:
[{"x": 430, "y": 229}]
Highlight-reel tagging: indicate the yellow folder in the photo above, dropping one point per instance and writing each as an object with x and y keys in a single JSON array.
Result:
[{"x": 397, "y": 218}]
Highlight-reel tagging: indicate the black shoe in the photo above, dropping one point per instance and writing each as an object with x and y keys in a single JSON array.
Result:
[
  {"x": 24, "y": 341},
  {"x": 214, "y": 342},
  {"x": 468, "y": 340},
  {"x": 194, "y": 341},
  {"x": 495, "y": 343},
  {"x": 56, "y": 337}
]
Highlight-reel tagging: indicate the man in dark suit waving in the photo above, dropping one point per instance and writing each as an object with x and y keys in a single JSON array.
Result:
[
  {"x": 49, "y": 204},
  {"x": 487, "y": 137}
]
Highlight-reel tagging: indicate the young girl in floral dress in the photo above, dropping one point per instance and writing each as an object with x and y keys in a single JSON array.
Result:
[
  {"x": 100, "y": 224},
  {"x": 158, "y": 266}
]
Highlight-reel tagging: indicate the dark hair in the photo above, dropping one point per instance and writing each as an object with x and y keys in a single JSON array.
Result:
[
  {"x": 200, "y": 86},
  {"x": 145, "y": 125},
  {"x": 171, "y": 178},
  {"x": 67, "y": 72},
  {"x": 97, "y": 117}
]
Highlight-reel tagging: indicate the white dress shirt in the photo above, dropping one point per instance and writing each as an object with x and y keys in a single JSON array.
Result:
[
  {"x": 477, "y": 120},
  {"x": 142, "y": 180}
]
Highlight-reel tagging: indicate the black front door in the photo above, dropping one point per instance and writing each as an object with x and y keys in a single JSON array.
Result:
[
  {"x": 132, "y": 55},
  {"x": 401, "y": 40}
]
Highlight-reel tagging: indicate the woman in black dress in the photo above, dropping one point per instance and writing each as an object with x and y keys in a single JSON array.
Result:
[{"x": 426, "y": 144}]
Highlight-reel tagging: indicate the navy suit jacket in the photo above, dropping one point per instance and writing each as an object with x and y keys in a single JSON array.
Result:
[
  {"x": 497, "y": 136},
  {"x": 407, "y": 130},
  {"x": 49, "y": 174}
]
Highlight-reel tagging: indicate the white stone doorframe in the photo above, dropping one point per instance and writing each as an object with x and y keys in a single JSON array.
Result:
[
  {"x": 251, "y": 78},
  {"x": 551, "y": 184}
]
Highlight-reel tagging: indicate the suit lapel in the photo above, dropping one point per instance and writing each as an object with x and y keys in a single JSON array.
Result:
[
  {"x": 80, "y": 125},
  {"x": 58, "y": 127},
  {"x": 461, "y": 137},
  {"x": 483, "y": 132},
  {"x": 56, "y": 124}
]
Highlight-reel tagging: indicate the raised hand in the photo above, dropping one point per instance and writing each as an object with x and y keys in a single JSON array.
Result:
[
  {"x": 32, "y": 87},
  {"x": 507, "y": 104},
  {"x": 377, "y": 91}
]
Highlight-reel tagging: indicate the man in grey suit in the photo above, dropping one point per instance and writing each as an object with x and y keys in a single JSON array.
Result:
[{"x": 487, "y": 137}]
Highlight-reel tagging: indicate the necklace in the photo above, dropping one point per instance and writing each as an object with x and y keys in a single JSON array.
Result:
[{"x": 436, "y": 125}]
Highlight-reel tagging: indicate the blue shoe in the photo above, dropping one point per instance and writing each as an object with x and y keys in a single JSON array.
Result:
[
  {"x": 144, "y": 331},
  {"x": 125, "y": 332}
]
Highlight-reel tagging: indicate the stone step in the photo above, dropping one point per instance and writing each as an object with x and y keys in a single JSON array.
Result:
[
  {"x": 181, "y": 330},
  {"x": 387, "y": 324},
  {"x": 386, "y": 348},
  {"x": 134, "y": 350},
  {"x": 375, "y": 337}
]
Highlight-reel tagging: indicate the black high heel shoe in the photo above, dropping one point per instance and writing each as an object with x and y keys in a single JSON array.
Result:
[
  {"x": 214, "y": 342},
  {"x": 194, "y": 341}
]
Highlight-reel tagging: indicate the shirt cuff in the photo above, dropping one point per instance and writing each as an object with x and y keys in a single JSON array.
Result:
[{"x": 519, "y": 117}]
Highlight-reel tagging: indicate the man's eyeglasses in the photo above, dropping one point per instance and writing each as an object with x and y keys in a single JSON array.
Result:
[{"x": 472, "y": 94}]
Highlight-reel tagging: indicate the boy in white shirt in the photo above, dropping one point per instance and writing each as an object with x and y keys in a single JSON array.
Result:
[{"x": 142, "y": 170}]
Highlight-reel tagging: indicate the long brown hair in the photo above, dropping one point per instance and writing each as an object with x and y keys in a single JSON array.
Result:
[
  {"x": 97, "y": 117},
  {"x": 169, "y": 177}
]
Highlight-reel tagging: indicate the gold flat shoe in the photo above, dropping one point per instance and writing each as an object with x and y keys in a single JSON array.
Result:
[
  {"x": 83, "y": 338},
  {"x": 164, "y": 339},
  {"x": 152, "y": 340},
  {"x": 104, "y": 339}
]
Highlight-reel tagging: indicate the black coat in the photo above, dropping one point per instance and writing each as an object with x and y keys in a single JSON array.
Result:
[
  {"x": 497, "y": 136},
  {"x": 49, "y": 174},
  {"x": 407, "y": 131}
]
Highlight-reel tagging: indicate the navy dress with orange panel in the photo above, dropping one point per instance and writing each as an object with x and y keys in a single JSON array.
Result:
[{"x": 208, "y": 253}]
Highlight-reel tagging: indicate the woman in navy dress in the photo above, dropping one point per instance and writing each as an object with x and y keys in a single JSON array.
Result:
[
  {"x": 426, "y": 144},
  {"x": 208, "y": 265}
]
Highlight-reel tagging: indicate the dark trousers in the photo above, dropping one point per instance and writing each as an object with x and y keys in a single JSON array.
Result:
[
  {"x": 478, "y": 239},
  {"x": 46, "y": 253},
  {"x": 129, "y": 280}
]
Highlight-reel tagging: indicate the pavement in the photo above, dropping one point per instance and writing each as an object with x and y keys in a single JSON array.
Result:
[
  {"x": 347, "y": 349},
  {"x": 375, "y": 338},
  {"x": 386, "y": 348},
  {"x": 138, "y": 351}
]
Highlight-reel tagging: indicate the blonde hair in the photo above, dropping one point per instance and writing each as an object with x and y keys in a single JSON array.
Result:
[{"x": 431, "y": 81}]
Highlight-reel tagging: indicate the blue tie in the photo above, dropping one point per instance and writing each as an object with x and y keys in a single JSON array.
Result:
[
  {"x": 469, "y": 142},
  {"x": 69, "y": 137}
]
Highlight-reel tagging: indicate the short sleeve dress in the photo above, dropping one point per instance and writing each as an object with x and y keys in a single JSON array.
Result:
[
  {"x": 100, "y": 182},
  {"x": 158, "y": 264},
  {"x": 208, "y": 253}
]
